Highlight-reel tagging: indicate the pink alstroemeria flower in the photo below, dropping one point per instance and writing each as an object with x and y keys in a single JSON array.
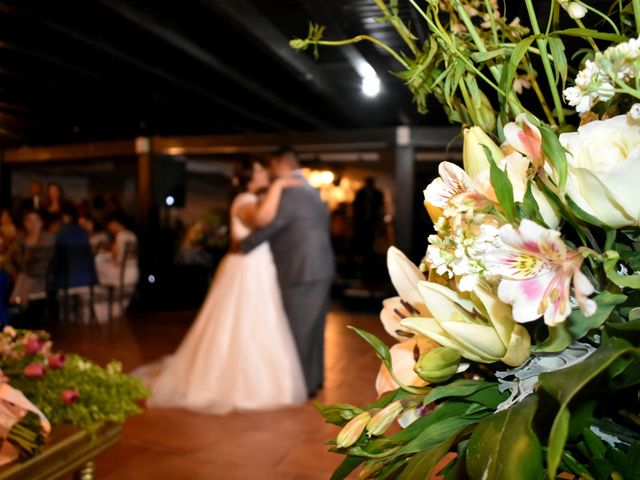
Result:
[
  {"x": 525, "y": 137},
  {"x": 537, "y": 271},
  {"x": 454, "y": 188}
]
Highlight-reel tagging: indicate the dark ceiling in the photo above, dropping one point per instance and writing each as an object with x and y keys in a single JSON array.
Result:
[{"x": 80, "y": 70}]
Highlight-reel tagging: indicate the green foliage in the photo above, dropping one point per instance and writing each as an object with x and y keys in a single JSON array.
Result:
[
  {"x": 504, "y": 446},
  {"x": 106, "y": 394}
]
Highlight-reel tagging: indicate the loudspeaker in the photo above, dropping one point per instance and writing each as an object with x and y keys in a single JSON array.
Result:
[{"x": 169, "y": 181}]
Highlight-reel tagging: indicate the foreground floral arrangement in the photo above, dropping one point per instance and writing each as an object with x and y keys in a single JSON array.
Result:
[
  {"x": 518, "y": 336},
  {"x": 40, "y": 388}
]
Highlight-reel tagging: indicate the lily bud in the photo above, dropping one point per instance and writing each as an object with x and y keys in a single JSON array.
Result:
[
  {"x": 473, "y": 155},
  {"x": 382, "y": 420},
  {"x": 438, "y": 365},
  {"x": 352, "y": 431},
  {"x": 486, "y": 115}
]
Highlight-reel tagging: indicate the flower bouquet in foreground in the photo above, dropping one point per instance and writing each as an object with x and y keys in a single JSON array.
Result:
[
  {"x": 517, "y": 351},
  {"x": 40, "y": 388}
]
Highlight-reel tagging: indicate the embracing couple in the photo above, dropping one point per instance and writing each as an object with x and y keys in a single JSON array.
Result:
[{"x": 258, "y": 340}]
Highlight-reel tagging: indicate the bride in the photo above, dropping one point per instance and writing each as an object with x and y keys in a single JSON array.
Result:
[{"x": 239, "y": 354}]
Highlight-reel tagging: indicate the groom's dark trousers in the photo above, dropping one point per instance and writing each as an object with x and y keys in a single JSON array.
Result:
[{"x": 301, "y": 247}]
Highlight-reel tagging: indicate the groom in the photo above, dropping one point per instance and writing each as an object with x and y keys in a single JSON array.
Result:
[{"x": 300, "y": 242}]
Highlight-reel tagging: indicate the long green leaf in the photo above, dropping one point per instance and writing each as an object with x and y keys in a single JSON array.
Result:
[
  {"x": 502, "y": 187},
  {"x": 423, "y": 464},
  {"x": 559, "y": 59},
  {"x": 504, "y": 446},
  {"x": 382, "y": 351},
  {"x": 590, "y": 33},
  {"x": 458, "y": 388},
  {"x": 348, "y": 465},
  {"x": 558, "y": 438},
  {"x": 556, "y": 154},
  {"x": 509, "y": 73}
]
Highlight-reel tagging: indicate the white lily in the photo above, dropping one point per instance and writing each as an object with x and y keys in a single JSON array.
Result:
[
  {"x": 405, "y": 277},
  {"x": 482, "y": 330}
]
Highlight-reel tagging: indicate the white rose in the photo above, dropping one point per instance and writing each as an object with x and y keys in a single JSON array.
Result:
[{"x": 604, "y": 170}]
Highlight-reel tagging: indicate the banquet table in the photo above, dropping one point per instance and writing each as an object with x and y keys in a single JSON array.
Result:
[{"x": 68, "y": 451}]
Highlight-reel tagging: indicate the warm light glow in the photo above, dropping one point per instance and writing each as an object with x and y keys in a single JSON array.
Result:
[{"x": 320, "y": 178}]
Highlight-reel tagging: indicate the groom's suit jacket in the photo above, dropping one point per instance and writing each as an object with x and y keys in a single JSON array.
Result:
[{"x": 299, "y": 238}]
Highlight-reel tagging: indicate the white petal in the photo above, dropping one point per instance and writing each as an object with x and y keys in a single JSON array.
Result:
[
  {"x": 499, "y": 314},
  {"x": 405, "y": 277},
  {"x": 391, "y": 320},
  {"x": 479, "y": 339}
]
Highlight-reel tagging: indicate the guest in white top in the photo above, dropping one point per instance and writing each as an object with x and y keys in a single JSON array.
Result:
[{"x": 123, "y": 254}]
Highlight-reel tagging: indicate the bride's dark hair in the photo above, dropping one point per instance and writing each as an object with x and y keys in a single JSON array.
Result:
[{"x": 243, "y": 173}]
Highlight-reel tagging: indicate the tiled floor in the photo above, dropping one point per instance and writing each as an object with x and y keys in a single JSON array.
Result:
[{"x": 174, "y": 444}]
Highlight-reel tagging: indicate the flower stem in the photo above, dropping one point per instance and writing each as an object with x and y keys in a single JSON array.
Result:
[
  {"x": 360, "y": 38},
  {"x": 546, "y": 63},
  {"x": 636, "y": 14},
  {"x": 543, "y": 102}
]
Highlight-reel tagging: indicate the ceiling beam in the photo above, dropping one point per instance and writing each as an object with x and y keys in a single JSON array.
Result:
[
  {"x": 179, "y": 41},
  {"x": 84, "y": 151},
  {"x": 243, "y": 15}
]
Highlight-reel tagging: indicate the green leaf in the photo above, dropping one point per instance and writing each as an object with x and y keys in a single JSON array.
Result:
[
  {"x": 590, "y": 33},
  {"x": 559, "y": 339},
  {"x": 566, "y": 383},
  {"x": 480, "y": 57},
  {"x": 557, "y": 439},
  {"x": 504, "y": 447},
  {"x": 582, "y": 215},
  {"x": 382, "y": 351},
  {"x": 578, "y": 325},
  {"x": 555, "y": 153},
  {"x": 529, "y": 207},
  {"x": 458, "y": 388},
  {"x": 348, "y": 465},
  {"x": 337, "y": 413},
  {"x": 509, "y": 72},
  {"x": 502, "y": 187},
  {"x": 559, "y": 59},
  {"x": 610, "y": 269},
  {"x": 630, "y": 331},
  {"x": 423, "y": 464}
]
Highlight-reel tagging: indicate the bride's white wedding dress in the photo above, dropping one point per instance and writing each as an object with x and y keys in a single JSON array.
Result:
[{"x": 239, "y": 354}]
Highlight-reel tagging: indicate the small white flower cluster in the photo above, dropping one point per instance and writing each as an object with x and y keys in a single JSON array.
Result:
[
  {"x": 460, "y": 247},
  {"x": 596, "y": 81}
]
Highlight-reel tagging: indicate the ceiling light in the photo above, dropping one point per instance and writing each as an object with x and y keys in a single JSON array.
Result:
[{"x": 371, "y": 85}]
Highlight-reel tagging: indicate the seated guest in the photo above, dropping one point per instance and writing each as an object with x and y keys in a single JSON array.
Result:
[
  {"x": 122, "y": 255},
  {"x": 32, "y": 259},
  {"x": 72, "y": 264},
  {"x": 99, "y": 239}
]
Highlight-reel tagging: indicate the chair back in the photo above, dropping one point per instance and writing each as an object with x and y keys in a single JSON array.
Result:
[{"x": 129, "y": 259}]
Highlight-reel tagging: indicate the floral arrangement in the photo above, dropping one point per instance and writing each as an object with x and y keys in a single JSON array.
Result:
[
  {"x": 62, "y": 389},
  {"x": 518, "y": 335}
]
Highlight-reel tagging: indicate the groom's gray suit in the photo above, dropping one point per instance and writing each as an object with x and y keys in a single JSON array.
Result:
[{"x": 301, "y": 246}]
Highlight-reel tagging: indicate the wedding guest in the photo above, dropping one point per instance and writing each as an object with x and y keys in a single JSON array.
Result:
[
  {"x": 35, "y": 200},
  {"x": 98, "y": 238},
  {"x": 54, "y": 200},
  {"x": 33, "y": 255},
  {"x": 8, "y": 239},
  {"x": 72, "y": 264},
  {"x": 124, "y": 241}
]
